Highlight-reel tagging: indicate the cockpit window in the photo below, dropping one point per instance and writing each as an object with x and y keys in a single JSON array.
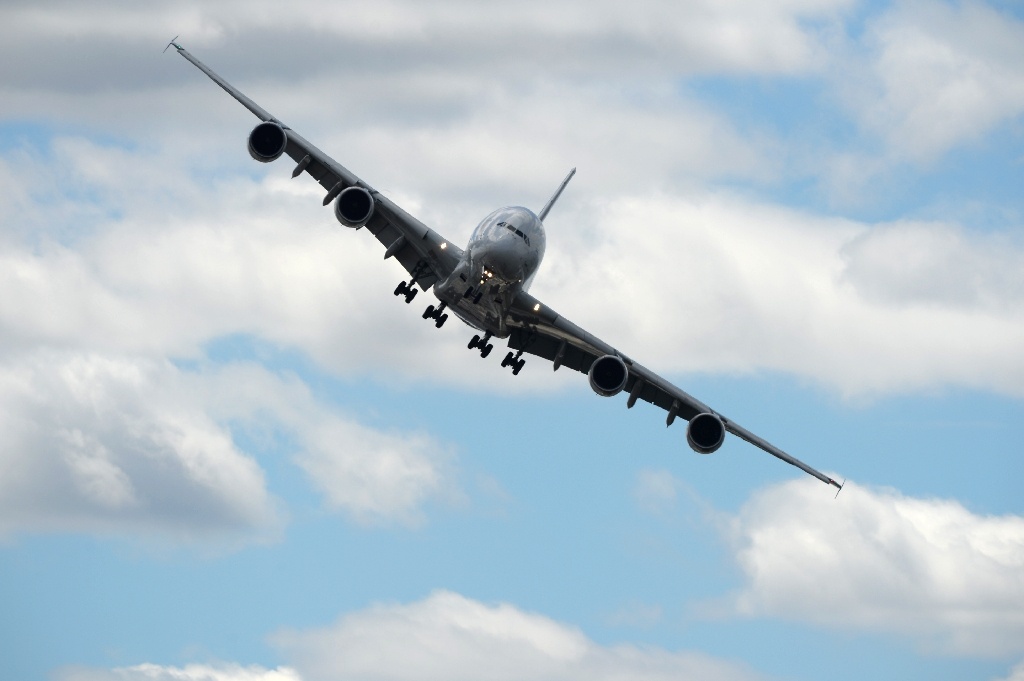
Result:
[{"x": 513, "y": 229}]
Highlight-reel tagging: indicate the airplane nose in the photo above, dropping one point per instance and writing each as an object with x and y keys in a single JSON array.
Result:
[{"x": 502, "y": 263}]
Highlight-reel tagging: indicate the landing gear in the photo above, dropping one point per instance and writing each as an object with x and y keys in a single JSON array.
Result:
[
  {"x": 515, "y": 362},
  {"x": 482, "y": 343},
  {"x": 476, "y": 298},
  {"x": 407, "y": 289},
  {"x": 437, "y": 314}
]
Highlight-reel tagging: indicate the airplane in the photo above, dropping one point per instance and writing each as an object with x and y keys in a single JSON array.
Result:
[{"x": 486, "y": 284}]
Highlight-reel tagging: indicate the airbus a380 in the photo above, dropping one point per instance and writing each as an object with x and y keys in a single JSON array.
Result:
[{"x": 486, "y": 284}]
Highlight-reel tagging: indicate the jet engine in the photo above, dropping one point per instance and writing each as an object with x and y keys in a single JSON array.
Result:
[
  {"x": 705, "y": 433},
  {"x": 608, "y": 375},
  {"x": 267, "y": 142},
  {"x": 354, "y": 207}
]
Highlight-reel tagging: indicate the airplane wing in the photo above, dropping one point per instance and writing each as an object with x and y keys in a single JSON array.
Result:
[
  {"x": 539, "y": 330},
  {"x": 426, "y": 255}
]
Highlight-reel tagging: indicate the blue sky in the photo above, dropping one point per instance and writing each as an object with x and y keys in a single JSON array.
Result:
[{"x": 230, "y": 454}]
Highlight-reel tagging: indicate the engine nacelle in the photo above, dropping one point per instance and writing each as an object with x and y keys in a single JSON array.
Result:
[
  {"x": 705, "y": 434},
  {"x": 267, "y": 142},
  {"x": 354, "y": 207},
  {"x": 608, "y": 375}
]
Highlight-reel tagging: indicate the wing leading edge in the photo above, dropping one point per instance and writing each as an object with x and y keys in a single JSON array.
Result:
[
  {"x": 425, "y": 254},
  {"x": 539, "y": 330}
]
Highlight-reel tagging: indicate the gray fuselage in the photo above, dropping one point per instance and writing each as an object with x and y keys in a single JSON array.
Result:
[{"x": 502, "y": 258}]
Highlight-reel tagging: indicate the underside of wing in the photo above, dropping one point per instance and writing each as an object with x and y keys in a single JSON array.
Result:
[
  {"x": 426, "y": 255},
  {"x": 540, "y": 331}
]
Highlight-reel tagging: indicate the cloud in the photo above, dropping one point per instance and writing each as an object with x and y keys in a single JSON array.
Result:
[
  {"x": 655, "y": 491},
  {"x": 448, "y": 636},
  {"x": 907, "y": 264},
  {"x": 125, "y": 247},
  {"x": 941, "y": 75},
  {"x": 866, "y": 309},
  {"x": 192, "y": 672},
  {"x": 876, "y": 560},
  {"x": 746, "y": 286},
  {"x": 374, "y": 476},
  {"x": 137, "y": 446},
  {"x": 101, "y": 444},
  {"x": 1016, "y": 674}
]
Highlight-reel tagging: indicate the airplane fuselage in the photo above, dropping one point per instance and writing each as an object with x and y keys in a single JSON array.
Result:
[{"x": 501, "y": 259}]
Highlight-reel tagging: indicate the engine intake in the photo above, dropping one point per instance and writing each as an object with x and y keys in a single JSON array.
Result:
[
  {"x": 705, "y": 434},
  {"x": 267, "y": 142},
  {"x": 608, "y": 375},
  {"x": 354, "y": 207}
]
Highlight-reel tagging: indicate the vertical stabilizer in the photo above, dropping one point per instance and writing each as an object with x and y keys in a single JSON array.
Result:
[{"x": 551, "y": 202}]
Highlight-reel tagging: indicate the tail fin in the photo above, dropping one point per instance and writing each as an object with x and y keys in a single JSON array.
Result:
[{"x": 551, "y": 202}]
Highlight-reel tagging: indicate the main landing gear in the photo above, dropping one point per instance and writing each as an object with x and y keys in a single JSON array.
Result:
[
  {"x": 515, "y": 362},
  {"x": 437, "y": 314},
  {"x": 482, "y": 343},
  {"x": 407, "y": 289}
]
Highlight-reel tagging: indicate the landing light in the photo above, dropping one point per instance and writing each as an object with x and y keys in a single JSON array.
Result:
[
  {"x": 444, "y": 245},
  {"x": 536, "y": 308}
]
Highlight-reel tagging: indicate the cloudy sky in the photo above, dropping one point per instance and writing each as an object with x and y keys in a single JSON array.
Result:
[{"x": 228, "y": 453}]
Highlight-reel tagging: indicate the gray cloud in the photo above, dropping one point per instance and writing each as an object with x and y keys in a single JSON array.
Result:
[{"x": 117, "y": 445}]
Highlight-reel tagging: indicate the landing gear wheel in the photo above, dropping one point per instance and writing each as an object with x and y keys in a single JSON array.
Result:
[
  {"x": 486, "y": 350},
  {"x": 518, "y": 367},
  {"x": 441, "y": 320},
  {"x": 429, "y": 312},
  {"x": 508, "y": 361},
  {"x": 473, "y": 342},
  {"x": 410, "y": 295},
  {"x": 401, "y": 289}
]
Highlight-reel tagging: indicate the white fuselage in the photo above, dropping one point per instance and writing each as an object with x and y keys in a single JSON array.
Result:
[{"x": 502, "y": 258}]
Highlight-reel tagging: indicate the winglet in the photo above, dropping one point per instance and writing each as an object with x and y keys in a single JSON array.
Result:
[
  {"x": 176, "y": 45},
  {"x": 551, "y": 202},
  {"x": 840, "y": 487}
]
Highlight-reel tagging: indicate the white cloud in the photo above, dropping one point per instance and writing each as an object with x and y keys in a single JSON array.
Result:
[
  {"x": 655, "y": 490},
  {"x": 876, "y": 560},
  {"x": 747, "y": 286},
  {"x": 450, "y": 637},
  {"x": 908, "y": 264},
  {"x": 192, "y": 672},
  {"x": 92, "y": 443},
  {"x": 942, "y": 74},
  {"x": 1016, "y": 674},
  {"x": 374, "y": 476},
  {"x": 865, "y": 309},
  {"x": 131, "y": 445}
]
